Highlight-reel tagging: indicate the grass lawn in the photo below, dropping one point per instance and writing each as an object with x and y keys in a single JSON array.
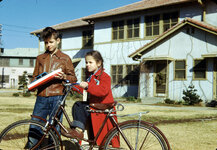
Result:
[{"x": 187, "y": 128}]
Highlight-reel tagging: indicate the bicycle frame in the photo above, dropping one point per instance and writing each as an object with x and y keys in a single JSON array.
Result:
[
  {"x": 109, "y": 115},
  {"x": 51, "y": 125}
]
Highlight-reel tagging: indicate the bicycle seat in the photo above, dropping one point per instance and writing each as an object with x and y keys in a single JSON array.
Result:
[{"x": 99, "y": 106}]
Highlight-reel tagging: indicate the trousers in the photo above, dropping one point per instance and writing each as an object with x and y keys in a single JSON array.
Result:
[
  {"x": 44, "y": 107},
  {"x": 80, "y": 114}
]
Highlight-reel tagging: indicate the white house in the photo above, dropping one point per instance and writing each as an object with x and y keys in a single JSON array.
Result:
[
  {"x": 153, "y": 33},
  {"x": 13, "y": 63}
]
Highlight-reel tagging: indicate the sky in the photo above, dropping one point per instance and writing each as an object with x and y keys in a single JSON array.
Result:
[{"x": 20, "y": 17}]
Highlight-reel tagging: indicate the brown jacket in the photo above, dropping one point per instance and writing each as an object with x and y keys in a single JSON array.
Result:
[{"x": 46, "y": 63}]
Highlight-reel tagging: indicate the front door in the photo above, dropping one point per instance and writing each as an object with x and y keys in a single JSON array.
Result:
[{"x": 160, "y": 78}]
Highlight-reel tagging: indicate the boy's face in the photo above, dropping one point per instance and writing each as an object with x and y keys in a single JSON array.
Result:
[{"x": 51, "y": 44}]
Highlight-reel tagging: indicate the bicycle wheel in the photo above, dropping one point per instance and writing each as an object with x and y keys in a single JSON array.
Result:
[
  {"x": 17, "y": 136},
  {"x": 138, "y": 136}
]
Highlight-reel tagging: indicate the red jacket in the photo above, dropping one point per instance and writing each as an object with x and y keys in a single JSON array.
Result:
[{"x": 99, "y": 89}]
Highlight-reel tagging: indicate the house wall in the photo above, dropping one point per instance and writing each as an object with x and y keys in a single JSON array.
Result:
[
  {"x": 13, "y": 69},
  {"x": 14, "y": 73},
  {"x": 116, "y": 52},
  {"x": 189, "y": 47},
  {"x": 211, "y": 10}
]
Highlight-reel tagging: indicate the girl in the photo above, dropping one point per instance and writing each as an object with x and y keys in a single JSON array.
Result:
[{"x": 98, "y": 87}]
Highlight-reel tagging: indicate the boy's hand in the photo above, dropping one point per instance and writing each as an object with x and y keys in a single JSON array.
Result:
[
  {"x": 84, "y": 85},
  {"x": 61, "y": 75}
]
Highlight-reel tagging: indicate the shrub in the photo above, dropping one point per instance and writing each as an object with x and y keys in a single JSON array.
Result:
[
  {"x": 16, "y": 94},
  {"x": 26, "y": 94},
  {"x": 130, "y": 99},
  {"x": 190, "y": 96},
  {"x": 212, "y": 103},
  {"x": 168, "y": 101}
]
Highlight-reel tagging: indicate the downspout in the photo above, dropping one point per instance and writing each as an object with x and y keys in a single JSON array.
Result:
[{"x": 203, "y": 5}]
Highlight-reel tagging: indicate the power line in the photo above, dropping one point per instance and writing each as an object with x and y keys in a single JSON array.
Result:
[
  {"x": 16, "y": 31},
  {"x": 18, "y": 26}
]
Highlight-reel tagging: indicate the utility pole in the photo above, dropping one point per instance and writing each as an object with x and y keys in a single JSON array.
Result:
[{"x": 0, "y": 35}]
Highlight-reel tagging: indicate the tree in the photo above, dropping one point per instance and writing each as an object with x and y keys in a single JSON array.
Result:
[
  {"x": 23, "y": 81},
  {"x": 190, "y": 96}
]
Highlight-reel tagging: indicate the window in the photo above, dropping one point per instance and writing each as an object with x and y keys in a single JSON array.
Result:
[
  {"x": 133, "y": 28},
  {"x": 31, "y": 62},
  {"x": 20, "y": 61},
  {"x": 169, "y": 20},
  {"x": 118, "y": 30},
  {"x": 83, "y": 74},
  {"x": 87, "y": 38},
  {"x": 4, "y": 78},
  {"x": 200, "y": 69},
  {"x": 152, "y": 25},
  {"x": 4, "y": 62},
  {"x": 132, "y": 77},
  {"x": 117, "y": 74},
  {"x": 180, "y": 69},
  {"x": 125, "y": 74}
]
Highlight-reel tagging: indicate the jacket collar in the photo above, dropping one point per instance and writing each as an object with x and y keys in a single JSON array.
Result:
[
  {"x": 58, "y": 54},
  {"x": 97, "y": 73}
]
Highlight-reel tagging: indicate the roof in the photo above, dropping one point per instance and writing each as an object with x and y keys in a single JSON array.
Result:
[
  {"x": 138, "y": 6},
  {"x": 20, "y": 52},
  {"x": 198, "y": 24},
  {"x": 69, "y": 24}
]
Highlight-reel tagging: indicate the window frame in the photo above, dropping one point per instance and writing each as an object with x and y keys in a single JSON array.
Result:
[
  {"x": 20, "y": 61},
  {"x": 183, "y": 69},
  {"x": 152, "y": 25},
  {"x": 5, "y": 62},
  {"x": 83, "y": 74},
  {"x": 161, "y": 23},
  {"x": 5, "y": 77},
  {"x": 133, "y": 28},
  {"x": 31, "y": 62},
  {"x": 124, "y": 74},
  {"x": 170, "y": 18},
  {"x": 118, "y": 30},
  {"x": 200, "y": 69},
  {"x": 87, "y": 36}
]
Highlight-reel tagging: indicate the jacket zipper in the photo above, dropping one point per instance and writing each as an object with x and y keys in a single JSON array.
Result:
[{"x": 49, "y": 69}]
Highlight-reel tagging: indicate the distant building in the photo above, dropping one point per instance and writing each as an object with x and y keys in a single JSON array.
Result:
[
  {"x": 13, "y": 62},
  {"x": 151, "y": 48}
]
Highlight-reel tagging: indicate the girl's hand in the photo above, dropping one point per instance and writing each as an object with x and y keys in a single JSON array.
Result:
[
  {"x": 84, "y": 85},
  {"x": 61, "y": 75}
]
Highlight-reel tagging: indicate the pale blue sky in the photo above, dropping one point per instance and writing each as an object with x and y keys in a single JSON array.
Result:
[{"x": 20, "y": 17}]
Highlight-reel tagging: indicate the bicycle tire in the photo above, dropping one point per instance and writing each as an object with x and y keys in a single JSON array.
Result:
[
  {"x": 15, "y": 136},
  {"x": 139, "y": 134}
]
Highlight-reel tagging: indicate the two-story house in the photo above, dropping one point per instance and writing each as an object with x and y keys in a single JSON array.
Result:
[
  {"x": 13, "y": 63},
  {"x": 151, "y": 48}
]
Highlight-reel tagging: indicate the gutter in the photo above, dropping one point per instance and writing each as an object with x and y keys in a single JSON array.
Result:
[{"x": 203, "y": 5}]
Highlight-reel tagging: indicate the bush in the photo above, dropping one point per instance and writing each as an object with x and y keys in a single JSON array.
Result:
[
  {"x": 16, "y": 94},
  {"x": 27, "y": 94},
  {"x": 213, "y": 103},
  {"x": 190, "y": 96},
  {"x": 133, "y": 99},
  {"x": 130, "y": 99},
  {"x": 168, "y": 101}
]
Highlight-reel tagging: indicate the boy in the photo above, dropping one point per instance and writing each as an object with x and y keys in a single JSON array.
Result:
[{"x": 48, "y": 95}]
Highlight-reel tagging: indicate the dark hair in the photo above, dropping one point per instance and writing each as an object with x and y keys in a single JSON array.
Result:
[
  {"x": 48, "y": 32},
  {"x": 98, "y": 57}
]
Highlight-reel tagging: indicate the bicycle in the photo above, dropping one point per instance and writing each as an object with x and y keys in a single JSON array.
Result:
[{"x": 132, "y": 134}]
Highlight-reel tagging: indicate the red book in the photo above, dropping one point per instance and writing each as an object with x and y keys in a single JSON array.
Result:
[{"x": 43, "y": 80}]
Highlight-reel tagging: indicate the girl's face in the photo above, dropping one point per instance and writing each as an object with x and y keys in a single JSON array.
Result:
[{"x": 91, "y": 64}]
